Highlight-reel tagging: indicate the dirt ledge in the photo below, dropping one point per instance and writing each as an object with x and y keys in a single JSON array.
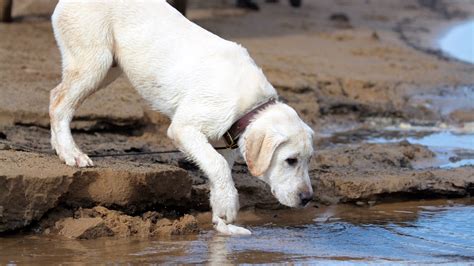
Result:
[{"x": 32, "y": 184}]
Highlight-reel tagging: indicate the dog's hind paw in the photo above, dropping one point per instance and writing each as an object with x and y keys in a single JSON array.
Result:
[
  {"x": 83, "y": 161},
  {"x": 78, "y": 160}
]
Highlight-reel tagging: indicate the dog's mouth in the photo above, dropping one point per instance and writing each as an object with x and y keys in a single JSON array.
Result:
[{"x": 286, "y": 202}]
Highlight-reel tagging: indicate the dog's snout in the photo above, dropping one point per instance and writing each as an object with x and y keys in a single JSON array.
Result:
[{"x": 305, "y": 197}]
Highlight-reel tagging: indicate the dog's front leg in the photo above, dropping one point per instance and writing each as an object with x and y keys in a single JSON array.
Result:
[{"x": 224, "y": 198}]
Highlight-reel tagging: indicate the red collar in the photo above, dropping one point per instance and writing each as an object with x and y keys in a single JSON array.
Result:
[{"x": 232, "y": 135}]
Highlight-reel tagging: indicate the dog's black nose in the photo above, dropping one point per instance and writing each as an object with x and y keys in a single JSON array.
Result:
[{"x": 305, "y": 197}]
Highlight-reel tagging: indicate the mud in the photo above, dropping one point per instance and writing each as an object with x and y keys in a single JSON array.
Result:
[
  {"x": 102, "y": 222},
  {"x": 346, "y": 66}
]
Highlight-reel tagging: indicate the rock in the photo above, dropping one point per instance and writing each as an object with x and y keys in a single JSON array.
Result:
[
  {"x": 340, "y": 186},
  {"x": 100, "y": 222},
  {"x": 184, "y": 226},
  {"x": 152, "y": 216},
  {"x": 462, "y": 116},
  {"x": 83, "y": 228},
  {"x": 31, "y": 184},
  {"x": 364, "y": 172},
  {"x": 47, "y": 224},
  {"x": 121, "y": 224},
  {"x": 253, "y": 192},
  {"x": 130, "y": 186},
  {"x": 371, "y": 156}
]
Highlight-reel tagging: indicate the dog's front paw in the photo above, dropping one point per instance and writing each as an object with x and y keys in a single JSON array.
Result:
[
  {"x": 225, "y": 204},
  {"x": 230, "y": 229}
]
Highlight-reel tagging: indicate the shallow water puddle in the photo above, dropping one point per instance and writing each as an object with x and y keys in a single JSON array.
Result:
[
  {"x": 459, "y": 42},
  {"x": 452, "y": 149},
  {"x": 416, "y": 232}
]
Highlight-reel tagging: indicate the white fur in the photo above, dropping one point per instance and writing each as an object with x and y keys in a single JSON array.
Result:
[{"x": 202, "y": 82}]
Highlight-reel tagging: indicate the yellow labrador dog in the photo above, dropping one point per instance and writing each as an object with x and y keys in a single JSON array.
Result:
[{"x": 209, "y": 87}]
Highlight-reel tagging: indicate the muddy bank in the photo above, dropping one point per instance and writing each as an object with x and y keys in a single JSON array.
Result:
[
  {"x": 102, "y": 222},
  {"x": 32, "y": 184},
  {"x": 135, "y": 184},
  {"x": 351, "y": 170},
  {"x": 343, "y": 65}
]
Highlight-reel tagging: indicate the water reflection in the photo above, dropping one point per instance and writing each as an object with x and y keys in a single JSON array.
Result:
[{"x": 415, "y": 232}]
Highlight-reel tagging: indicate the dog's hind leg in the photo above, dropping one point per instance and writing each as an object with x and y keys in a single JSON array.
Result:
[
  {"x": 78, "y": 82},
  {"x": 86, "y": 70},
  {"x": 85, "y": 40}
]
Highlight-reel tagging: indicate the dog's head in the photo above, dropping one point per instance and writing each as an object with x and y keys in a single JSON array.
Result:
[{"x": 277, "y": 147}]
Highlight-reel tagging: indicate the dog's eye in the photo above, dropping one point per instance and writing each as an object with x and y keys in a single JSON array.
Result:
[{"x": 292, "y": 161}]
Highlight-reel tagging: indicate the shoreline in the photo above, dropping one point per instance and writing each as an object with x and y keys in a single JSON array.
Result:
[{"x": 439, "y": 28}]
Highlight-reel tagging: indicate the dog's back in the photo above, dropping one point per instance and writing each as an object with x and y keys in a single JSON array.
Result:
[
  {"x": 176, "y": 66},
  {"x": 147, "y": 39}
]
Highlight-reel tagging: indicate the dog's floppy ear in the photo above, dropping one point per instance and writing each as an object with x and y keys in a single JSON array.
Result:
[{"x": 259, "y": 148}]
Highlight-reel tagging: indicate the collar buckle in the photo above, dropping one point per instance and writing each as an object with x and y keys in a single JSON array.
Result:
[{"x": 231, "y": 142}]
